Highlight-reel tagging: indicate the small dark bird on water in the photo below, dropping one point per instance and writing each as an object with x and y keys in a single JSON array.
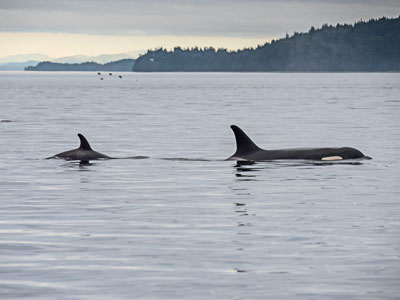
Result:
[
  {"x": 98, "y": 73},
  {"x": 110, "y": 74},
  {"x": 120, "y": 76},
  {"x": 101, "y": 78}
]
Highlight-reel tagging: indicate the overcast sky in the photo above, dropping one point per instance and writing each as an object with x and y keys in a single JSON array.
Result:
[{"x": 68, "y": 27}]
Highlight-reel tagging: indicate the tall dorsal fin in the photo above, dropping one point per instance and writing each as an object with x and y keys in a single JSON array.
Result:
[
  {"x": 84, "y": 143},
  {"x": 243, "y": 143}
]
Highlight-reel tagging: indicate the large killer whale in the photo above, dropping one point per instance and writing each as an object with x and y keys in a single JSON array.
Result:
[
  {"x": 247, "y": 150},
  {"x": 84, "y": 153}
]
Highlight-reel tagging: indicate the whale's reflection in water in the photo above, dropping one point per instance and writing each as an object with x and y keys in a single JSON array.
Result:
[{"x": 247, "y": 170}]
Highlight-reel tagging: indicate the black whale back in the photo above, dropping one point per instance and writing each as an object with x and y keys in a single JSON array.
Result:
[{"x": 248, "y": 150}]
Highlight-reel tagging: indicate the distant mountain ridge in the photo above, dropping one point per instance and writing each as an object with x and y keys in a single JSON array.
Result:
[
  {"x": 101, "y": 59},
  {"x": 124, "y": 65},
  {"x": 20, "y": 61},
  {"x": 22, "y": 58},
  {"x": 363, "y": 47},
  {"x": 17, "y": 66}
]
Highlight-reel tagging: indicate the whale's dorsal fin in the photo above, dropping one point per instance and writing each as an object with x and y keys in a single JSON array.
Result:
[
  {"x": 84, "y": 143},
  {"x": 243, "y": 143}
]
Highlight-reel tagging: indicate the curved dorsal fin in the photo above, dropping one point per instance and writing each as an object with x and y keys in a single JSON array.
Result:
[
  {"x": 84, "y": 143},
  {"x": 243, "y": 143}
]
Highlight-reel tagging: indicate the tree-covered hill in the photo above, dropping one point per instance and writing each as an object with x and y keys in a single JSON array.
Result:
[
  {"x": 363, "y": 47},
  {"x": 124, "y": 65}
]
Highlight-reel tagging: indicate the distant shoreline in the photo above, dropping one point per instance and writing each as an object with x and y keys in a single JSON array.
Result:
[
  {"x": 365, "y": 47},
  {"x": 372, "y": 46},
  {"x": 123, "y": 65}
]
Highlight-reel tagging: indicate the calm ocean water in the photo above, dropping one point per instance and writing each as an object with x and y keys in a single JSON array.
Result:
[{"x": 184, "y": 223}]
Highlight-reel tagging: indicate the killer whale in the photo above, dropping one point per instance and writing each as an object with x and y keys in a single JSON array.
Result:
[
  {"x": 247, "y": 150},
  {"x": 84, "y": 153}
]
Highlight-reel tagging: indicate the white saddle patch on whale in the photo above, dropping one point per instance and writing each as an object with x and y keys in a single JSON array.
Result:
[{"x": 332, "y": 158}]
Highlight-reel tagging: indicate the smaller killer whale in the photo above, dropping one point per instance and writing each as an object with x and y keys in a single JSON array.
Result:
[
  {"x": 84, "y": 153},
  {"x": 247, "y": 150}
]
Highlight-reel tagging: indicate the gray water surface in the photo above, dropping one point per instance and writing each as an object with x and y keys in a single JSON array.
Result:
[{"x": 184, "y": 223}]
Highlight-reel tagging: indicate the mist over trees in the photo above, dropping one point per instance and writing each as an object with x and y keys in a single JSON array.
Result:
[{"x": 365, "y": 46}]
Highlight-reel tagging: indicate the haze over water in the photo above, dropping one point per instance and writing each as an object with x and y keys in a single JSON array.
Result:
[{"x": 184, "y": 223}]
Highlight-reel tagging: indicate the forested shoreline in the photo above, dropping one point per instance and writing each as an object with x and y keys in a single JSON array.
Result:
[
  {"x": 124, "y": 65},
  {"x": 366, "y": 46}
]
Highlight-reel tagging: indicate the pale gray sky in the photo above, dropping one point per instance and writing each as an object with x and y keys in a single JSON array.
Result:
[{"x": 58, "y": 28}]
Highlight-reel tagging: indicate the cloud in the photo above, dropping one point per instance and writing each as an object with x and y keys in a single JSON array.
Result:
[{"x": 180, "y": 17}]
